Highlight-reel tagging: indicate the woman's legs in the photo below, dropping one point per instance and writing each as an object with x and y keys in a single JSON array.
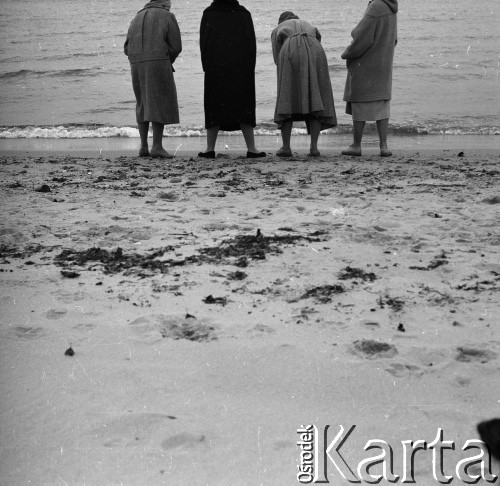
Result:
[
  {"x": 314, "y": 128},
  {"x": 383, "y": 127},
  {"x": 157, "y": 149},
  {"x": 143, "y": 132},
  {"x": 286, "y": 136},
  {"x": 249, "y": 137},
  {"x": 358, "y": 128},
  {"x": 212, "y": 134}
]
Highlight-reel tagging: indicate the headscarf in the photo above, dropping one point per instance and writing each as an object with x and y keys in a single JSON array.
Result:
[
  {"x": 166, "y": 4},
  {"x": 287, "y": 16}
]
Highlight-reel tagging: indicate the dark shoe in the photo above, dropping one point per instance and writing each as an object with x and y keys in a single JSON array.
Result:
[
  {"x": 143, "y": 152},
  {"x": 207, "y": 155},
  {"x": 385, "y": 153},
  {"x": 255, "y": 155}
]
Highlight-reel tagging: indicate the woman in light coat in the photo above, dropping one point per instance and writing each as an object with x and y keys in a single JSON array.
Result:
[
  {"x": 153, "y": 43},
  {"x": 369, "y": 60},
  {"x": 304, "y": 86}
]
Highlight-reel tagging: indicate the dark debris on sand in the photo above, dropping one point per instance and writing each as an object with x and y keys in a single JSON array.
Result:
[
  {"x": 395, "y": 303},
  {"x": 13, "y": 252},
  {"x": 324, "y": 293},
  {"x": 255, "y": 247},
  {"x": 241, "y": 248},
  {"x": 117, "y": 261},
  {"x": 350, "y": 273},
  {"x": 439, "y": 260}
]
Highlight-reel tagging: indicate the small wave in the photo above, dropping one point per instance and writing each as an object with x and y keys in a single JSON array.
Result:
[
  {"x": 76, "y": 55},
  {"x": 24, "y": 73},
  {"x": 264, "y": 129}
]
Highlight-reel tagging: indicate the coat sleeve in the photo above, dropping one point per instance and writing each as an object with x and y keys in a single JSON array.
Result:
[
  {"x": 173, "y": 39},
  {"x": 276, "y": 45},
  {"x": 252, "y": 43},
  {"x": 203, "y": 41},
  {"x": 125, "y": 46},
  {"x": 363, "y": 37}
]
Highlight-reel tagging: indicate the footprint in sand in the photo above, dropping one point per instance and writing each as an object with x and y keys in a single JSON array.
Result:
[
  {"x": 260, "y": 329},
  {"x": 183, "y": 440},
  {"x": 371, "y": 349},
  {"x": 472, "y": 354},
  {"x": 85, "y": 326},
  {"x": 130, "y": 430},
  {"x": 404, "y": 370},
  {"x": 159, "y": 326},
  {"x": 27, "y": 332},
  {"x": 56, "y": 313}
]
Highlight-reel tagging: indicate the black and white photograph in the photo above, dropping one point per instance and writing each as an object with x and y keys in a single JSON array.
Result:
[{"x": 249, "y": 243}]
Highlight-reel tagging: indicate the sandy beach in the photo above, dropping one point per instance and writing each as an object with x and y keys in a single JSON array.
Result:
[{"x": 215, "y": 307}]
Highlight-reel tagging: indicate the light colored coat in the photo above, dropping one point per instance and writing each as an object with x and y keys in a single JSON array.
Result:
[
  {"x": 152, "y": 45},
  {"x": 371, "y": 53},
  {"x": 304, "y": 86},
  {"x": 153, "y": 34}
]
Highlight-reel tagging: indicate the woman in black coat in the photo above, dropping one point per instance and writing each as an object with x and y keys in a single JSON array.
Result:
[{"x": 228, "y": 53}]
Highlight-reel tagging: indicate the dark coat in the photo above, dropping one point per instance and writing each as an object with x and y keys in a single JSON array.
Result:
[
  {"x": 228, "y": 54},
  {"x": 371, "y": 52}
]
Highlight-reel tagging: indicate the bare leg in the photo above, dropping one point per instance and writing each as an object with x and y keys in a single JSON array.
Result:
[
  {"x": 315, "y": 129},
  {"x": 143, "y": 132},
  {"x": 157, "y": 149},
  {"x": 212, "y": 134},
  {"x": 249, "y": 137},
  {"x": 357, "y": 130},
  {"x": 383, "y": 127},
  {"x": 286, "y": 136}
]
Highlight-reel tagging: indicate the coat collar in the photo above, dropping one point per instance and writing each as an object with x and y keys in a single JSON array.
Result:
[
  {"x": 225, "y": 5},
  {"x": 392, "y": 4}
]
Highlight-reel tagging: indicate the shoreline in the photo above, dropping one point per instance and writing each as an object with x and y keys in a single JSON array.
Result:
[{"x": 234, "y": 145}]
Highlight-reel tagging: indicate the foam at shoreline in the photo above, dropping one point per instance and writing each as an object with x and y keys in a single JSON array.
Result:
[{"x": 77, "y": 131}]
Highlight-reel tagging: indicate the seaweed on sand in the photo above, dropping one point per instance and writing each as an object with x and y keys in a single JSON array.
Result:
[
  {"x": 240, "y": 248},
  {"x": 356, "y": 273},
  {"x": 323, "y": 294},
  {"x": 255, "y": 247},
  {"x": 117, "y": 261}
]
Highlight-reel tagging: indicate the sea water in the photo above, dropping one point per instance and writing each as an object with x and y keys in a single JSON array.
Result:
[{"x": 63, "y": 73}]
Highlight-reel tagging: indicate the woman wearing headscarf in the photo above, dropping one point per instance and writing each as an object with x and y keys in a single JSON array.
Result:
[
  {"x": 304, "y": 86},
  {"x": 369, "y": 60},
  {"x": 228, "y": 54},
  {"x": 153, "y": 43}
]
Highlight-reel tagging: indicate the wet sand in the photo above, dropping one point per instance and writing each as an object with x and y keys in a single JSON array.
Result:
[{"x": 214, "y": 307}]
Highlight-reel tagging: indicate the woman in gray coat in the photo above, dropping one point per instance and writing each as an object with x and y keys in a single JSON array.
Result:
[
  {"x": 153, "y": 43},
  {"x": 304, "y": 86},
  {"x": 369, "y": 60}
]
